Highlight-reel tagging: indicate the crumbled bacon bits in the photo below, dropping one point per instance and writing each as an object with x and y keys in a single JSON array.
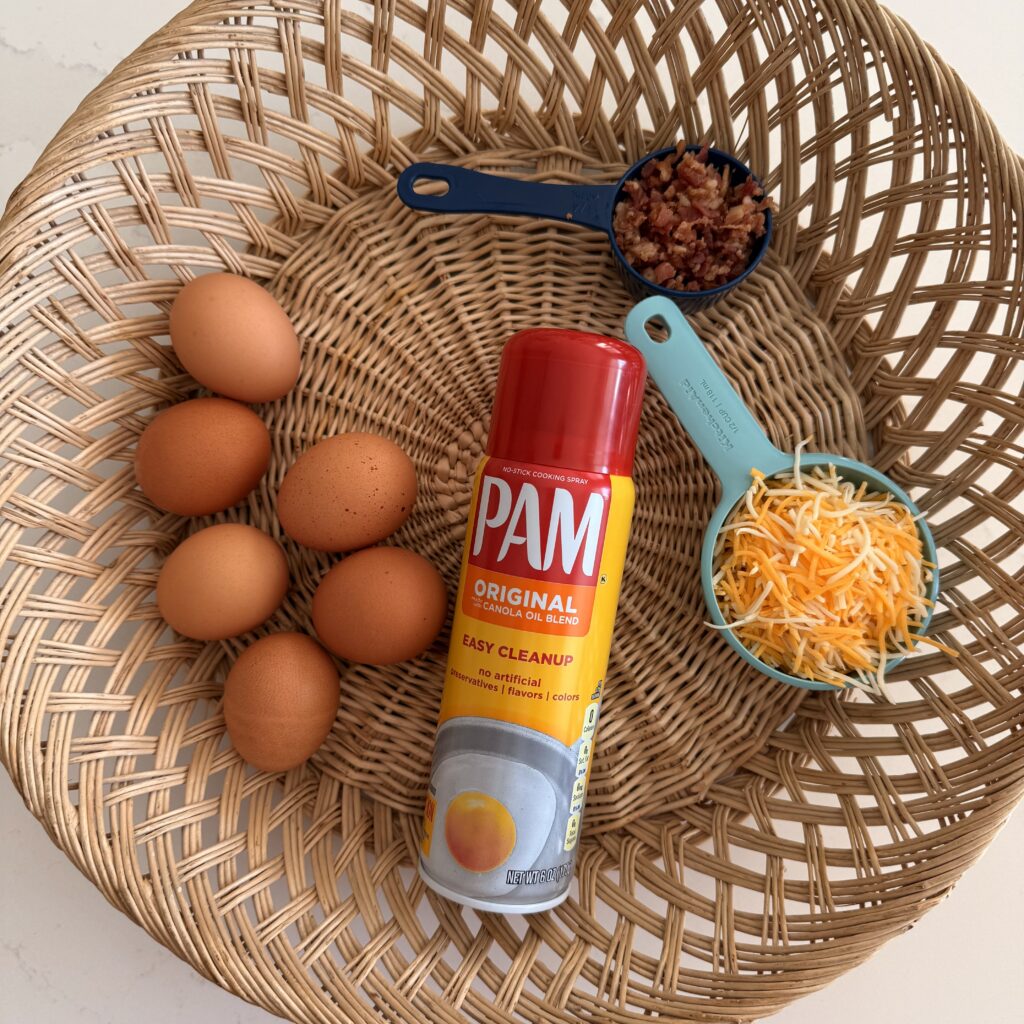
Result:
[{"x": 683, "y": 225}]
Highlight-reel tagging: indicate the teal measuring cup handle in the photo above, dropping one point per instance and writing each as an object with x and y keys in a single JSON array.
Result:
[{"x": 701, "y": 396}]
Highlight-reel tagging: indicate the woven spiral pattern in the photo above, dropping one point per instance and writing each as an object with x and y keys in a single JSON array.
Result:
[{"x": 744, "y": 843}]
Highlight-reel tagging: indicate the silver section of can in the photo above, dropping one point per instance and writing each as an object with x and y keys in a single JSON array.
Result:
[{"x": 540, "y": 783}]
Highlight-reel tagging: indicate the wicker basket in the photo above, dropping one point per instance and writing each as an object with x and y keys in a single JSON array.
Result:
[{"x": 744, "y": 844}]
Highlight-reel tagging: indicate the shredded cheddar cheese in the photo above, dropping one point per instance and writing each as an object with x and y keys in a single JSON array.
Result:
[{"x": 821, "y": 579}]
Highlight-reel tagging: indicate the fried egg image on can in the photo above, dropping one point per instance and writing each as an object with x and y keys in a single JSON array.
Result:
[
  {"x": 494, "y": 815},
  {"x": 479, "y": 831}
]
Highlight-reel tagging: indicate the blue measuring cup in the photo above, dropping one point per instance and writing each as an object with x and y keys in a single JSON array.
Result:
[
  {"x": 733, "y": 443},
  {"x": 590, "y": 205}
]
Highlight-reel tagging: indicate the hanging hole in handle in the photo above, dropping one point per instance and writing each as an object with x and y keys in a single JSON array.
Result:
[
  {"x": 656, "y": 329},
  {"x": 424, "y": 186}
]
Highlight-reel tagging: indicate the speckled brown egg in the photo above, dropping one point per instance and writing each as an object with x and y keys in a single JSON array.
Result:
[
  {"x": 380, "y": 606},
  {"x": 234, "y": 338},
  {"x": 347, "y": 492},
  {"x": 280, "y": 699},
  {"x": 222, "y": 581},
  {"x": 202, "y": 456}
]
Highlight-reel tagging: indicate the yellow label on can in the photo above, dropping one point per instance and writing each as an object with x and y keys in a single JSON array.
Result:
[
  {"x": 529, "y": 649},
  {"x": 537, "y": 598}
]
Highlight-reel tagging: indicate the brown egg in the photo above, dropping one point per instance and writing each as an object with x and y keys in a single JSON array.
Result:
[
  {"x": 280, "y": 699},
  {"x": 347, "y": 492},
  {"x": 222, "y": 581},
  {"x": 202, "y": 456},
  {"x": 234, "y": 338},
  {"x": 380, "y": 606}
]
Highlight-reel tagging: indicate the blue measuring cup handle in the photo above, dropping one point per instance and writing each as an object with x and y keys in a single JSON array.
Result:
[
  {"x": 701, "y": 396},
  {"x": 475, "y": 192}
]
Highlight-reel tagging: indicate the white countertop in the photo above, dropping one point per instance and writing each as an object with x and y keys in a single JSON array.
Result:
[{"x": 67, "y": 957}]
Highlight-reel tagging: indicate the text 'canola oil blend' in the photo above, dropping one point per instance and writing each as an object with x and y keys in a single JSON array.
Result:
[{"x": 548, "y": 527}]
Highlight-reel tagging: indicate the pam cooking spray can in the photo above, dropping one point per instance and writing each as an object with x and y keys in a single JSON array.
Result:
[{"x": 548, "y": 527}]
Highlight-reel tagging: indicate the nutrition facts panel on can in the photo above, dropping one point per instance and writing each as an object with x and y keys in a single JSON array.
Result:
[{"x": 583, "y": 758}]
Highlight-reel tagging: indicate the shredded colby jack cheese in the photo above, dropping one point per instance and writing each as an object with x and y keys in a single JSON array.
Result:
[{"x": 821, "y": 579}]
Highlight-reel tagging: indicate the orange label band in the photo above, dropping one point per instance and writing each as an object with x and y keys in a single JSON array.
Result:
[
  {"x": 537, "y": 606},
  {"x": 428, "y": 825}
]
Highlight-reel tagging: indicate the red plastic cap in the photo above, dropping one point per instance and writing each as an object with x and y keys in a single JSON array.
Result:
[{"x": 568, "y": 399}]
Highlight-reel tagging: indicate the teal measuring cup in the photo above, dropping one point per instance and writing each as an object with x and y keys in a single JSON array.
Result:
[{"x": 733, "y": 443}]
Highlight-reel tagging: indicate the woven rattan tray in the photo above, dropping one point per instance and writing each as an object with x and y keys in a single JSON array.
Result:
[{"x": 744, "y": 844}]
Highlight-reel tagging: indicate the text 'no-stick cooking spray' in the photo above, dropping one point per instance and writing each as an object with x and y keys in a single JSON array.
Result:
[{"x": 548, "y": 526}]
